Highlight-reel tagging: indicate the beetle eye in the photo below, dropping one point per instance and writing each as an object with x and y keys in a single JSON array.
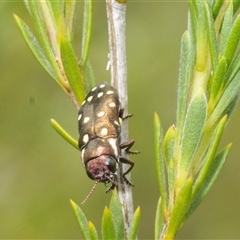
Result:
[{"x": 111, "y": 163}]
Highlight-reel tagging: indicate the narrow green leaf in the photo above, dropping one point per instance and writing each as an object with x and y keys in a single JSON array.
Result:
[
  {"x": 226, "y": 28},
  {"x": 35, "y": 47},
  {"x": 89, "y": 76},
  {"x": 27, "y": 5},
  {"x": 210, "y": 178},
  {"x": 212, "y": 148},
  {"x": 87, "y": 30},
  {"x": 229, "y": 97},
  {"x": 72, "y": 70},
  {"x": 57, "y": 10},
  {"x": 81, "y": 219},
  {"x": 236, "y": 5},
  {"x": 135, "y": 224},
  {"x": 171, "y": 173},
  {"x": 211, "y": 36},
  {"x": 159, "y": 220},
  {"x": 42, "y": 34},
  {"x": 219, "y": 78},
  {"x": 64, "y": 134},
  {"x": 117, "y": 215},
  {"x": 69, "y": 16},
  {"x": 193, "y": 126},
  {"x": 169, "y": 140},
  {"x": 92, "y": 231},
  {"x": 160, "y": 160},
  {"x": 183, "y": 81},
  {"x": 51, "y": 26},
  {"x": 216, "y": 7},
  {"x": 202, "y": 39},
  {"x": 192, "y": 25},
  {"x": 234, "y": 67},
  {"x": 47, "y": 51},
  {"x": 233, "y": 40},
  {"x": 108, "y": 231},
  {"x": 180, "y": 208}
]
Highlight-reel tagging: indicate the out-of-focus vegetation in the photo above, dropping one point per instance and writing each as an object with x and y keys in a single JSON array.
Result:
[{"x": 39, "y": 172}]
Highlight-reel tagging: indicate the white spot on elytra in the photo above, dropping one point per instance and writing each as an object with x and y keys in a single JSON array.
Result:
[
  {"x": 113, "y": 143},
  {"x": 85, "y": 138},
  {"x": 110, "y": 92},
  {"x": 112, "y": 104},
  {"x": 116, "y": 122},
  {"x": 86, "y": 119},
  {"x": 89, "y": 99},
  {"x": 101, "y": 114},
  {"x": 79, "y": 117},
  {"x": 93, "y": 89},
  {"x": 102, "y": 85},
  {"x": 100, "y": 94},
  {"x": 104, "y": 131},
  {"x": 83, "y": 102}
]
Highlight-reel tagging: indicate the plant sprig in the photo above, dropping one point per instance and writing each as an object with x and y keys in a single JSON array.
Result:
[
  {"x": 53, "y": 48},
  {"x": 209, "y": 84}
]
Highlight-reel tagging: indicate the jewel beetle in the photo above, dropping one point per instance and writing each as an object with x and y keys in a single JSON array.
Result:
[{"x": 99, "y": 124}]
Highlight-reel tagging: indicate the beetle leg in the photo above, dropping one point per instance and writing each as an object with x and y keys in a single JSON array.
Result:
[
  {"x": 127, "y": 145},
  {"x": 126, "y": 161},
  {"x": 111, "y": 188},
  {"x": 121, "y": 111},
  {"x": 128, "y": 182}
]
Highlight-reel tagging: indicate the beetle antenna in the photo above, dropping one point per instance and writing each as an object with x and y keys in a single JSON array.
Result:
[{"x": 90, "y": 193}]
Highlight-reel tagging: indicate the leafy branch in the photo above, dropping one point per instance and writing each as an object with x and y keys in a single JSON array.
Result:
[
  {"x": 53, "y": 48},
  {"x": 187, "y": 161}
]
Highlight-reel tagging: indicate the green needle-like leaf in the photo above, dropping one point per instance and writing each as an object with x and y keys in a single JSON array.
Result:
[
  {"x": 213, "y": 172},
  {"x": 34, "y": 9},
  {"x": 69, "y": 15},
  {"x": 36, "y": 48},
  {"x": 216, "y": 7},
  {"x": 193, "y": 127},
  {"x": 92, "y": 231},
  {"x": 89, "y": 76},
  {"x": 72, "y": 70},
  {"x": 81, "y": 219},
  {"x": 117, "y": 215},
  {"x": 226, "y": 28},
  {"x": 159, "y": 220},
  {"x": 183, "y": 81},
  {"x": 108, "y": 231},
  {"x": 209, "y": 157},
  {"x": 218, "y": 79},
  {"x": 64, "y": 134},
  {"x": 211, "y": 36},
  {"x": 201, "y": 44},
  {"x": 159, "y": 159},
  {"x": 233, "y": 40},
  {"x": 169, "y": 144},
  {"x": 87, "y": 30},
  {"x": 227, "y": 99},
  {"x": 135, "y": 224},
  {"x": 180, "y": 208}
]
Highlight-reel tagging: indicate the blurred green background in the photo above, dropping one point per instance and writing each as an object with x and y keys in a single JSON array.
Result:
[{"x": 40, "y": 172}]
